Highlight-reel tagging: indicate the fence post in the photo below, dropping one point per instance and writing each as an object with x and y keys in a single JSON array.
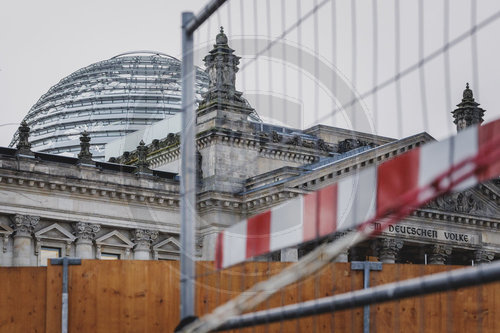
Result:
[
  {"x": 188, "y": 172},
  {"x": 64, "y": 308},
  {"x": 366, "y": 267}
]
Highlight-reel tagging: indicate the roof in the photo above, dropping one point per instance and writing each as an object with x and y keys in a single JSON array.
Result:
[
  {"x": 108, "y": 99},
  {"x": 113, "y": 167}
]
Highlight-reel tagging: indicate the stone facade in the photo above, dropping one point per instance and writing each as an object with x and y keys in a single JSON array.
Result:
[
  {"x": 81, "y": 209},
  {"x": 128, "y": 209}
]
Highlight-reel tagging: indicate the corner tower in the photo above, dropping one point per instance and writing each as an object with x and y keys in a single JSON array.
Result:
[
  {"x": 468, "y": 112},
  {"x": 222, "y": 105},
  {"x": 224, "y": 132}
]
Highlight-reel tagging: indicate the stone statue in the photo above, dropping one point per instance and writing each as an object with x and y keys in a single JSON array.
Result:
[
  {"x": 23, "y": 146},
  {"x": 85, "y": 156}
]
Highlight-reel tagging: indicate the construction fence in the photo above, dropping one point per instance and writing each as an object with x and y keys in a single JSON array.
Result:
[{"x": 143, "y": 296}]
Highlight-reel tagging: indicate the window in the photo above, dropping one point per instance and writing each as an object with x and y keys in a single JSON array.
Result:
[
  {"x": 110, "y": 256},
  {"x": 47, "y": 253}
]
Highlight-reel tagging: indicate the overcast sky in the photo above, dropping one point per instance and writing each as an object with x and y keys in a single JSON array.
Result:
[{"x": 43, "y": 41}]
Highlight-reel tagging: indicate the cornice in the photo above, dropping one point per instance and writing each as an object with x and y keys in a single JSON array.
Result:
[
  {"x": 89, "y": 189},
  {"x": 242, "y": 205},
  {"x": 264, "y": 147},
  {"x": 259, "y": 200},
  {"x": 490, "y": 190},
  {"x": 324, "y": 176},
  {"x": 466, "y": 220},
  {"x": 164, "y": 156},
  {"x": 250, "y": 141}
]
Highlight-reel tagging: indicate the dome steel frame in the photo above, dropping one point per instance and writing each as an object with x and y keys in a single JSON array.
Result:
[{"x": 108, "y": 99}]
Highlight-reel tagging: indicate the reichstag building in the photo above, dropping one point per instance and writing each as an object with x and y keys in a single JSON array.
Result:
[{"x": 60, "y": 196}]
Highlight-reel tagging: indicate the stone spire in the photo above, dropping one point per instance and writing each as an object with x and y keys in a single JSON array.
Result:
[
  {"x": 142, "y": 165},
  {"x": 85, "y": 156},
  {"x": 468, "y": 112},
  {"x": 222, "y": 65},
  {"x": 24, "y": 146}
]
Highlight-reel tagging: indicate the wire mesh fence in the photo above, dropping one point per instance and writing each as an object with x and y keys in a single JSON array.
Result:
[{"x": 329, "y": 88}]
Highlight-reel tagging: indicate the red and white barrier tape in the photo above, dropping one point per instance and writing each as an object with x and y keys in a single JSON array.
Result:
[{"x": 392, "y": 189}]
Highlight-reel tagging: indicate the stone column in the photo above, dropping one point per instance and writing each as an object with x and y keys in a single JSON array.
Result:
[
  {"x": 143, "y": 239},
  {"x": 85, "y": 233},
  {"x": 23, "y": 226},
  {"x": 483, "y": 257},
  {"x": 290, "y": 254},
  {"x": 388, "y": 249},
  {"x": 439, "y": 254}
]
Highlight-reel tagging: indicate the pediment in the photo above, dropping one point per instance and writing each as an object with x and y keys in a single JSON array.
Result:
[
  {"x": 5, "y": 229},
  {"x": 469, "y": 202},
  {"x": 55, "y": 232},
  {"x": 170, "y": 244},
  {"x": 114, "y": 238}
]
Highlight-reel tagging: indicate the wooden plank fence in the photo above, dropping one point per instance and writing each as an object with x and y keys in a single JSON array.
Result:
[{"x": 143, "y": 296}]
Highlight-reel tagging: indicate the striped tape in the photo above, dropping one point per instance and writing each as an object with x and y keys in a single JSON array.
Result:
[{"x": 360, "y": 197}]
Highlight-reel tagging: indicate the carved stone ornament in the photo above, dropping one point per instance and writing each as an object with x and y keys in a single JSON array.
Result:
[
  {"x": 322, "y": 145},
  {"x": 350, "y": 144},
  {"x": 468, "y": 112},
  {"x": 23, "y": 145},
  {"x": 295, "y": 141},
  {"x": 24, "y": 225},
  {"x": 5, "y": 242},
  {"x": 144, "y": 237},
  {"x": 439, "y": 254},
  {"x": 221, "y": 66},
  {"x": 199, "y": 169},
  {"x": 86, "y": 231},
  {"x": 172, "y": 140},
  {"x": 308, "y": 144},
  {"x": 275, "y": 137},
  {"x": 482, "y": 256},
  {"x": 85, "y": 155},
  {"x": 388, "y": 249},
  {"x": 38, "y": 245},
  {"x": 463, "y": 202},
  {"x": 142, "y": 165},
  {"x": 199, "y": 244}
]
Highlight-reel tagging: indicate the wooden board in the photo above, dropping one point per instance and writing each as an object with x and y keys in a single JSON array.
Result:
[
  {"x": 22, "y": 299},
  {"x": 143, "y": 296}
]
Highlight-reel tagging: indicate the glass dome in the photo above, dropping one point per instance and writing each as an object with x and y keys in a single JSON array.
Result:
[{"x": 108, "y": 99}]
